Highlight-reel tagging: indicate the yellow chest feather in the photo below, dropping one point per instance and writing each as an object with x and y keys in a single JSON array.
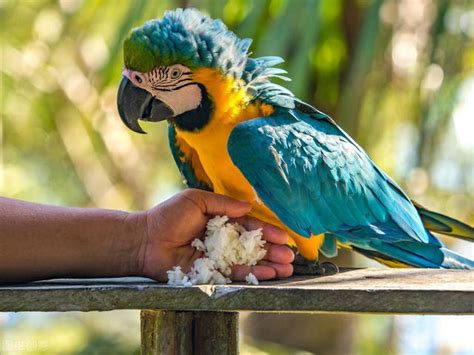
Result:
[{"x": 230, "y": 108}]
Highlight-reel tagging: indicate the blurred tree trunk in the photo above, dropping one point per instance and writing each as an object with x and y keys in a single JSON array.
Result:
[
  {"x": 352, "y": 23},
  {"x": 353, "y": 89},
  {"x": 429, "y": 130},
  {"x": 183, "y": 3}
]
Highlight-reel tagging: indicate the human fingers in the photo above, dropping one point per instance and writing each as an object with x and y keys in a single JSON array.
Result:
[
  {"x": 216, "y": 204},
  {"x": 282, "y": 271},
  {"x": 280, "y": 254},
  {"x": 271, "y": 233}
]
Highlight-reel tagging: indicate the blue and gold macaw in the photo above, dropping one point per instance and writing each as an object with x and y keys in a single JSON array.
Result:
[{"x": 234, "y": 132}]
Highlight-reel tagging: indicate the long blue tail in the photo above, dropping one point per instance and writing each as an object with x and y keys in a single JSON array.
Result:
[
  {"x": 391, "y": 249},
  {"x": 415, "y": 254},
  {"x": 440, "y": 223}
]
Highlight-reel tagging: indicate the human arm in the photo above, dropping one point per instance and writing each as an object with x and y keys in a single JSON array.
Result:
[{"x": 40, "y": 241}]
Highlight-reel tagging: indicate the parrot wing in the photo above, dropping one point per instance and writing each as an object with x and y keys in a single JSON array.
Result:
[
  {"x": 188, "y": 162},
  {"x": 307, "y": 170}
]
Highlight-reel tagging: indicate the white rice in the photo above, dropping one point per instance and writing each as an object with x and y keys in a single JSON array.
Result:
[
  {"x": 225, "y": 244},
  {"x": 251, "y": 279}
]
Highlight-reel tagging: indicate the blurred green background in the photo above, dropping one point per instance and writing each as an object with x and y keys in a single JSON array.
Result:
[{"x": 398, "y": 75}]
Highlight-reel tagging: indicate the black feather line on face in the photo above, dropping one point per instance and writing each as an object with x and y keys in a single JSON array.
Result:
[
  {"x": 198, "y": 118},
  {"x": 159, "y": 78},
  {"x": 172, "y": 85},
  {"x": 164, "y": 88}
]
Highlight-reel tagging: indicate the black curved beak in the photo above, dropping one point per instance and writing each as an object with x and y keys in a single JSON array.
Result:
[{"x": 137, "y": 104}]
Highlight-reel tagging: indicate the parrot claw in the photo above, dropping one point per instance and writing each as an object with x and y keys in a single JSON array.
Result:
[
  {"x": 303, "y": 267},
  {"x": 330, "y": 268}
]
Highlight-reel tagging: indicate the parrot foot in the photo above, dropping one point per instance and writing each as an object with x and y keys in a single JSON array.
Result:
[{"x": 303, "y": 267}]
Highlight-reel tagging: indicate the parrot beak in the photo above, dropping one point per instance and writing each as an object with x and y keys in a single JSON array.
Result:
[{"x": 137, "y": 104}]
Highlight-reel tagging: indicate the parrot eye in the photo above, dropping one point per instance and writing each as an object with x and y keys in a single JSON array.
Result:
[
  {"x": 138, "y": 78},
  {"x": 175, "y": 73}
]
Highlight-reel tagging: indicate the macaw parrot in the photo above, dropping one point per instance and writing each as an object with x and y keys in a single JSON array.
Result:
[{"x": 234, "y": 132}]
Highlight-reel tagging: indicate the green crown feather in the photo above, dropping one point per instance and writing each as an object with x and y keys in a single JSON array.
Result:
[{"x": 186, "y": 37}]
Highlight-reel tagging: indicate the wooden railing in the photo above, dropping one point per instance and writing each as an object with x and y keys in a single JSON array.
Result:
[{"x": 204, "y": 319}]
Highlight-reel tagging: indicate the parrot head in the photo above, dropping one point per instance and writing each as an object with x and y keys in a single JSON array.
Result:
[{"x": 164, "y": 64}]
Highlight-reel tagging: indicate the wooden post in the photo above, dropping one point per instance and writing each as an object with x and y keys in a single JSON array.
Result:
[
  {"x": 166, "y": 332},
  {"x": 178, "y": 332},
  {"x": 216, "y": 333}
]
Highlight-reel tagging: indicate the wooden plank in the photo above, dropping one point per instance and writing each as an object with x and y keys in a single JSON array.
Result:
[
  {"x": 399, "y": 291},
  {"x": 176, "y": 332}
]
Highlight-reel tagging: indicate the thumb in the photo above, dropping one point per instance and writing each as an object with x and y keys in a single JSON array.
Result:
[{"x": 215, "y": 204}]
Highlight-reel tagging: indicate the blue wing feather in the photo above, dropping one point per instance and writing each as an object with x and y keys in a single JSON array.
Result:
[
  {"x": 316, "y": 179},
  {"x": 323, "y": 175}
]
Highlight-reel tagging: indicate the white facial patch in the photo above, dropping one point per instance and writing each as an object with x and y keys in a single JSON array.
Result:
[
  {"x": 181, "y": 100},
  {"x": 171, "y": 84}
]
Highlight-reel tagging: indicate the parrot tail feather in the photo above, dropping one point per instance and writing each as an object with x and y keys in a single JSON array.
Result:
[
  {"x": 410, "y": 254},
  {"x": 439, "y": 223}
]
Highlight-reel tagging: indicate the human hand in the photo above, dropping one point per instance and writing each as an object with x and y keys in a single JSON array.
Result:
[{"x": 169, "y": 229}]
